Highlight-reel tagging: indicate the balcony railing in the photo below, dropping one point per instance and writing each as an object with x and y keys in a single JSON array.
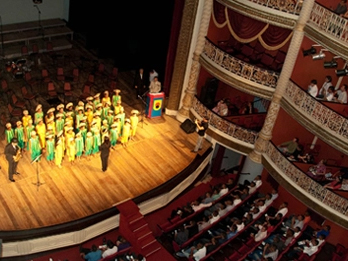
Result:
[
  {"x": 223, "y": 125},
  {"x": 316, "y": 110},
  {"x": 326, "y": 20},
  {"x": 320, "y": 193},
  {"x": 287, "y": 6},
  {"x": 240, "y": 68}
]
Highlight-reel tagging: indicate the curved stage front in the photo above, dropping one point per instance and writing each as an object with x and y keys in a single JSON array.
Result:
[{"x": 47, "y": 200}]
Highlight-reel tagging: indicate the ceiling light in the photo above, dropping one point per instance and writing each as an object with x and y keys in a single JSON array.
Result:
[{"x": 310, "y": 51}]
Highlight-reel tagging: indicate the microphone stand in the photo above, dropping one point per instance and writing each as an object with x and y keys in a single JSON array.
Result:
[
  {"x": 38, "y": 183},
  {"x": 41, "y": 31},
  {"x": 142, "y": 111}
]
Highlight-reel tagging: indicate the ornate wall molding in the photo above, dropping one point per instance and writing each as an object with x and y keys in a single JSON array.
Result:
[
  {"x": 311, "y": 193},
  {"x": 320, "y": 120},
  {"x": 182, "y": 53},
  {"x": 262, "y": 13},
  {"x": 239, "y": 74}
]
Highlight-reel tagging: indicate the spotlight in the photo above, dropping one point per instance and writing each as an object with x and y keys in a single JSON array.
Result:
[
  {"x": 312, "y": 50},
  {"x": 343, "y": 72},
  {"x": 319, "y": 56},
  {"x": 330, "y": 64}
]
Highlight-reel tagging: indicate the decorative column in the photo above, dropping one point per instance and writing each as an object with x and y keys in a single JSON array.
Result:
[
  {"x": 266, "y": 132},
  {"x": 190, "y": 91}
]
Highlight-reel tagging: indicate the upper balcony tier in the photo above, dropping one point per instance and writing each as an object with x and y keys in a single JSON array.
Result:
[
  {"x": 324, "y": 26},
  {"x": 243, "y": 76}
]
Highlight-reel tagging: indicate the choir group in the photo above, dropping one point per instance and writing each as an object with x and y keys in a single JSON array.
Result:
[{"x": 74, "y": 131}]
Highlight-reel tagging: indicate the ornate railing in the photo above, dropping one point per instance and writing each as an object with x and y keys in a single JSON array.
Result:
[
  {"x": 287, "y": 6},
  {"x": 326, "y": 20},
  {"x": 223, "y": 125},
  {"x": 325, "y": 196},
  {"x": 317, "y": 111},
  {"x": 247, "y": 71}
]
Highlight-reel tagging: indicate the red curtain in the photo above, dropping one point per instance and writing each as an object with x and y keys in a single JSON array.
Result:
[{"x": 246, "y": 29}]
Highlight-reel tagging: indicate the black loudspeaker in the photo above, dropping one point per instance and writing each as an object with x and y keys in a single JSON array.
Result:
[{"x": 188, "y": 126}]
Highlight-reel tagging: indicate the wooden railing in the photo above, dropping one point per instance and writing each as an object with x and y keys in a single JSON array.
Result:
[
  {"x": 325, "y": 196},
  {"x": 316, "y": 111},
  {"x": 287, "y": 6},
  {"x": 221, "y": 124},
  {"x": 326, "y": 20},
  {"x": 245, "y": 70}
]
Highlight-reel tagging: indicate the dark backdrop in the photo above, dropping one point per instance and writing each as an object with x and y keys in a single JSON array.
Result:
[{"x": 133, "y": 33}]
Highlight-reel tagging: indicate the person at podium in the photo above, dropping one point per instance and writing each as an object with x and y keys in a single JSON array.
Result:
[{"x": 155, "y": 85}]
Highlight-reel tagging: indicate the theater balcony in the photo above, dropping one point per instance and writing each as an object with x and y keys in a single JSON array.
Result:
[
  {"x": 324, "y": 201},
  {"x": 244, "y": 76},
  {"x": 316, "y": 117},
  {"x": 280, "y": 13}
]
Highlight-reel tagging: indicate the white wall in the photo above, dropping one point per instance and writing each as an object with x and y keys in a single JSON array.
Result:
[{"x": 17, "y": 11}]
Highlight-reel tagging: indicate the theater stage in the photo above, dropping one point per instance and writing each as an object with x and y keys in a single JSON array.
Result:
[{"x": 160, "y": 150}]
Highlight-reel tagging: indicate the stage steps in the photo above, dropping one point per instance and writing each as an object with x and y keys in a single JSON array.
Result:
[{"x": 135, "y": 228}]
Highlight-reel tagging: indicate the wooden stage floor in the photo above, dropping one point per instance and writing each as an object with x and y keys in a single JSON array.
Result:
[{"x": 160, "y": 150}]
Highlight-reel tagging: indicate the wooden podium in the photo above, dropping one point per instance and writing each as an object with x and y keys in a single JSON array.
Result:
[{"x": 154, "y": 104}]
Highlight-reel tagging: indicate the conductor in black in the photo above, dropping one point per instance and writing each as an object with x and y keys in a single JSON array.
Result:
[
  {"x": 202, "y": 126},
  {"x": 10, "y": 153},
  {"x": 104, "y": 149}
]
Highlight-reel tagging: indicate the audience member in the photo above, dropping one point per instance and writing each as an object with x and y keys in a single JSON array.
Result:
[
  {"x": 110, "y": 249},
  {"x": 155, "y": 85},
  {"x": 341, "y": 8},
  {"x": 289, "y": 147},
  {"x": 93, "y": 255},
  {"x": 323, "y": 90},
  {"x": 313, "y": 88},
  {"x": 341, "y": 94},
  {"x": 221, "y": 107},
  {"x": 329, "y": 95},
  {"x": 181, "y": 235},
  {"x": 122, "y": 243},
  {"x": 246, "y": 108},
  {"x": 317, "y": 171},
  {"x": 196, "y": 252}
]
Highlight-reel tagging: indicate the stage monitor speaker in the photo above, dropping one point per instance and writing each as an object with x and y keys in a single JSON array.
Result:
[{"x": 188, "y": 126}]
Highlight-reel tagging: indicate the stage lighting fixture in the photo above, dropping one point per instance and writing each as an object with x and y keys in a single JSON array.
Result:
[
  {"x": 343, "y": 72},
  {"x": 320, "y": 55},
  {"x": 312, "y": 50},
  {"x": 330, "y": 64}
]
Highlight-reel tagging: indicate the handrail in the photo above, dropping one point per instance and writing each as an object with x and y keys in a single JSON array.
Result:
[
  {"x": 325, "y": 196},
  {"x": 245, "y": 70},
  {"x": 326, "y": 20},
  {"x": 223, "y": 125},
  {"x": 291, "y": 7},
  {"x": 316, "y": 110}
]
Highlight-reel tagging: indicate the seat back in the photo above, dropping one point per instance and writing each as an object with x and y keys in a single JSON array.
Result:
[
  {"x": 24, "y": 50},
  {"x": 44, "y": 73},
  {"x": 50, "y": 86},
  {"x": 27, "y": 76},
  {"x": 24, "y": 90},
  {"x": 14, "y": 99},
  {"x": 86, "y": 89},
  {"x": 35, "y": 48},
  {"x": 90, "y": 78},
  {"x": 60, "y": 71},
  {"x": 101, "y": 67},
  {"x": 49, "y": 46},
  {"x": 4, "y": 85},
  {"x": 67, "y": 86}
]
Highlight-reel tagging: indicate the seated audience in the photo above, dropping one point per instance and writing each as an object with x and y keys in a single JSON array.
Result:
[
  {"x": 313, "y": 88},
  {"x": 221, "y": 108},
  {"x": 325, "y": 87},
  {"x": 93, "y": 255},
  {"x": 110, "y": 249},
  {"x": 246, "y": 108},
  {"x": 122, "y": 243},
  {"x": 341, "y": 94},
  {"x": 196, "y": 252},
  {"x": 181, "y": 235},
  {"x": 318, "y": 171},
  {"x": 289, "y": 147},
  {"x": 329, "y": 95}
]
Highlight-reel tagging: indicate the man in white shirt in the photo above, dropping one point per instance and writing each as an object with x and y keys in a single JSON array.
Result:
[
  {"x": 152, "y": 75},
  {"x": 214, "y": 217},
  {"x": 196, "y": 206},
  {"x": 312, "y": 247},
  {"x": 195, "y": 252},
  {"x": 313, "y": 88},
  {"x": 110, "y": 250},
  {"x": 342, "y": 94},
  {"x": 325, "y": 87},
  {"x": 155, "y": 85}
]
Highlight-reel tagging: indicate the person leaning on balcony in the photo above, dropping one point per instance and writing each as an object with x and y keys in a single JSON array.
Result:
[
  {"x": 313, "y": 88},
  {"x": 341, "y": 94},
  {"x": 325, "y": 87},
  {"x": 341, "y": 8},
  {"x": 289, "y": 147}
]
